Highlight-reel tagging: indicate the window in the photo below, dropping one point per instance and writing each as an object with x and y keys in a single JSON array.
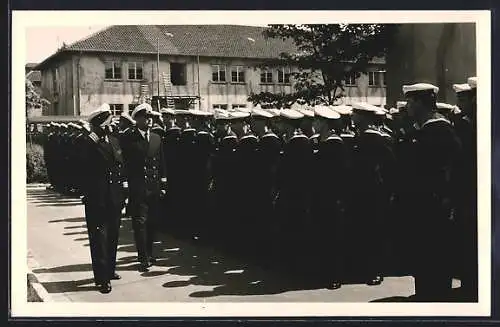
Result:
[
  {"x": 266, "y": 76},
  {"x": 238, "y": 74},
  {"x": 237, "y": 106},
  {"x": 220, "y": 106},
  {"x": 116, "y": 109},
  {"x": 113, "y": 70},
  {"x": 218, "y": 73},
  {"x": 178, "y": 73},
  {"x": 350, "y": 79},
  {"x": 284, "y": 75},
  {"x": 376, "y": 78},
  {"x": 135, "y": 71}
]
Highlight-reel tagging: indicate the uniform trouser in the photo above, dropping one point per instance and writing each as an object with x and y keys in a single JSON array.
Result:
[
  {"x": 103, "y": 229},
  {"x": 144, "y": 224},
  {"x": 468, "y": 260},
  {"x": 433, "y": 270}
]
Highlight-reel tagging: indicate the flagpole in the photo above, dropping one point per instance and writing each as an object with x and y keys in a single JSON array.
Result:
[{"x": 158, "y": 69}]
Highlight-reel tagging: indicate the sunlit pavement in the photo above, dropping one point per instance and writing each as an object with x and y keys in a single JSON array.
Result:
[{"x": 59, "y": 256}]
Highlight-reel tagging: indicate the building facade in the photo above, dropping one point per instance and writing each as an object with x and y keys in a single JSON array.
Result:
[{"x": 190, "y": 66}]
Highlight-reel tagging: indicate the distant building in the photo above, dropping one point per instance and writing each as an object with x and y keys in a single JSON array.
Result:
[{"x": 205, "y": 66}]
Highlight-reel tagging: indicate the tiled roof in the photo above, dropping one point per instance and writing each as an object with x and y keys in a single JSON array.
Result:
[
  {"x": 31, "y": 65},
  {"x": 204, "y": 40},
  {"x": 34, "y": 76}
]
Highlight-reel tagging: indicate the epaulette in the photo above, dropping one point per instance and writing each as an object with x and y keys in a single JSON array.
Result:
[
  {"x": 93, "y": 136},
  {"x": 435, "y": 120}
]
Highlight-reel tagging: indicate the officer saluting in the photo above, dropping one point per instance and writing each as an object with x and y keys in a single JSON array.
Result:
[
  {"x": 436, "y": 150},
  {"x": 146, "y": 180},
  {"x": 103, "y": 195}
]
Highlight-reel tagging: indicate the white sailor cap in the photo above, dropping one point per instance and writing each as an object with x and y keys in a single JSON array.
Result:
[
  {"x": 140, "y": 108},
  {"x": 363, "y": 106},
  {"x": 127, "y": 117},
  {"x": 461, "y": 87},
  {"x": 297, "y": 106},
  {"x": 183, "y": 112},
  {"x": 104, "y": 109},
  {"x": 221, "y": 114},
  {"x": 167, "y": 111},
  {"x": 445, "y": 106},
  {"x": 393, "y": 111},
  {"x": 401, "y": 104},
  {"x": 261, "y": 113},
  {"x": 419, "y": 87},
  {"x": 457, "y": 110},
  {"x": 238, "y": 114},
  {"x": 380, "y": 111},
  {"x": 291, "y": 114},
  {"x": 202, "y": 113},
  {"x": 343, "y": 109},
  {"x": 307, "y": 112},
  {"x": 63, "y": 125},
  {"x": 326, "y": 112},
  {"x": 472, "y": 81},
  {"x": 275, "y": 112}
]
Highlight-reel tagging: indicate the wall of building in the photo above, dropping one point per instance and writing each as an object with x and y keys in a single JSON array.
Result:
[
  {"x": 57, "y": 87},
  {"x": 86, "y": 75},
  {"x": 441, "y": 54}
]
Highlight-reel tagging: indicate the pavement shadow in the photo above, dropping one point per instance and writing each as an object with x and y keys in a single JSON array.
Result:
[
  {"x": 82, "y": 285},
  {"x": 45, "y": 198}
]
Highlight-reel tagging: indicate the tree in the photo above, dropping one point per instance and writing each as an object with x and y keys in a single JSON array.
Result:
[
  {"x": 326, "y": 54},
  {"x": 33, "y": 99}
]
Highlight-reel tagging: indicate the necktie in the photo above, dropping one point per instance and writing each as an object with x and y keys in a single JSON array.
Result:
[{"x": 147, "y": 136}]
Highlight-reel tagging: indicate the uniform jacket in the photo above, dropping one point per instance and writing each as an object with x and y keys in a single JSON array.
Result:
[
  {"x": 144, "y": 166},
  {"x": 102, "y": 172}
]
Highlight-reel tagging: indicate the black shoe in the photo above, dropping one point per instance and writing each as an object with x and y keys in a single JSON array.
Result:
[
  {"x": 375, "y": 281},
  {"x": 105, "y": 288},
  {"x": 334, "y": 285},
  {"x": 144, "y": 267},
  {"x": 116, "y": 277}
]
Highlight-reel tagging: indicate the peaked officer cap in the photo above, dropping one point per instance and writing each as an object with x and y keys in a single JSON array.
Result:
[
  {"x": 291, "y": 114},
  {"x": 102, "y": 110},
  {"x": 420, "y": 87},
  {"x": 306, "y": 112},
  {"x": 326, "y": 112},
  {"x": 274, "y": 112},
  {"x": 461, "y": 87},
  {"x": 472, "y": 81},
  {"x": 143, "y": 107},
  {"x": 238, "y": 114},
  {"x": 183, "y": 112},
  {"x": 221, "y": 114}
]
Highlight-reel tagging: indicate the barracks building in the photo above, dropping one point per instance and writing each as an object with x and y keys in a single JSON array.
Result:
[{"x": 178, "y": 66}]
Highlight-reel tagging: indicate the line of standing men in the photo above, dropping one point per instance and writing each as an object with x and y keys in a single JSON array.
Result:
[{"x": 345, "y": 170}]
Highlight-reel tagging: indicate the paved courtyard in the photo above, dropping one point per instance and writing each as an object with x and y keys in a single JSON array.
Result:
[{"x": 59, "y": 257}]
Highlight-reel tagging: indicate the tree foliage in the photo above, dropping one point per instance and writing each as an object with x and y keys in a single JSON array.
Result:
[
  {"x": 33, "y": 99},
  {"x": 326, "y": 54}
]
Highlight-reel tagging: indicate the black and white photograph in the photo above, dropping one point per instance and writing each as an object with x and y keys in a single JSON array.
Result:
[{"x": 256, "y": 164}]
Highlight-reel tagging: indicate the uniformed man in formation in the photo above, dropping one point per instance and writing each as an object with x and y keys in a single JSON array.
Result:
[{"x": 326, "y": 191}]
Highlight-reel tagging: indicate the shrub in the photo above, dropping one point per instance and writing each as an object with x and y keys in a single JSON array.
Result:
[{"x": 36, "y": 171}]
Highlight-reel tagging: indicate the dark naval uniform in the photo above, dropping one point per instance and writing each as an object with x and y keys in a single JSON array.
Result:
[
  {"x": 144, "y": 163},
  {"x": 103, "y": 194},
  {"x": 437, "y": 148}
]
